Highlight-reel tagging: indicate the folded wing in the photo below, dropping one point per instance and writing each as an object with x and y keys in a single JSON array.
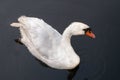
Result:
[{"x": 39, "y": 34}]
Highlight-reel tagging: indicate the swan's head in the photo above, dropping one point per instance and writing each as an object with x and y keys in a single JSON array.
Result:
[{"x": 78, "y": 28}]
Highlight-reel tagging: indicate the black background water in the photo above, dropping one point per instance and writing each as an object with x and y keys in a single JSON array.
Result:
[{"x": 99, "y": 57}]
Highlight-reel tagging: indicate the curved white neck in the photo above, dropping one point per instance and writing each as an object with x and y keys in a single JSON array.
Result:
[
  {"x": 66, "y": 36},
  {"x": 66, "y": 41},
  {"x": 66, "y": 44}
]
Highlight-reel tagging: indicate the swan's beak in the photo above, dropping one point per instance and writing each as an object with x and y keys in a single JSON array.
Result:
[{"x": 90, "y": 34}]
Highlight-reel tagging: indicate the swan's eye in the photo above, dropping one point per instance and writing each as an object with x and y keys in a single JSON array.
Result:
[{"x": 87, "y": 30}]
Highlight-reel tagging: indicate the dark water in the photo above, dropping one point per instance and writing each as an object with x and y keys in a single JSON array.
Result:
[{"x": 99, "y": 57}]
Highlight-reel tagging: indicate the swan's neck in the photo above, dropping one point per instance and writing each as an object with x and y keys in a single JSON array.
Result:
[
  {"x": 66, "y": 36},
  {"x": 66, "y": 44}
]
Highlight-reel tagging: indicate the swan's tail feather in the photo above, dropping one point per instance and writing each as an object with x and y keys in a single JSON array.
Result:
[{"x": 16, "y": 24}]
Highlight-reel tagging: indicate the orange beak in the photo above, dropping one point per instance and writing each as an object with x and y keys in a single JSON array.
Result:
[{"x": 90, "y": 34}]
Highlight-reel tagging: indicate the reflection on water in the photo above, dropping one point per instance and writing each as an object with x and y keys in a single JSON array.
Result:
[
  {"x": 90, "y": 71},
  {"x": 72, "y": 73}
]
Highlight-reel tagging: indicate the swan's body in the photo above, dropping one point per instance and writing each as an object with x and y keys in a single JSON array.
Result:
[{"x": 48, "y": 45}]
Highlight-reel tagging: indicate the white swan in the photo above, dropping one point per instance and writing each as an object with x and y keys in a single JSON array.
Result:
[{"x": 48, "y": 45}]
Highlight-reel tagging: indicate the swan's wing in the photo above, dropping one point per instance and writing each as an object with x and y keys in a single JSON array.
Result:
[{"x": 42, "y": 36}]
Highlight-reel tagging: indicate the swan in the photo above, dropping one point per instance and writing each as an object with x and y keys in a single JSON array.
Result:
[{"x": 47, "y": 44}]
